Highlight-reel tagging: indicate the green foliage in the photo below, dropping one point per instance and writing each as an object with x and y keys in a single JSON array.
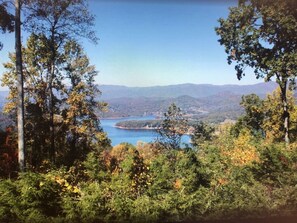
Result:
[
  {"x": 161, "y": 171},
  {"x": 253, "y": 117},
  {"x": 202, "y": 133},
  {"x": 139, "y": 124},
  {"x": 255, "y": 32},
  {"x": 260, "y": 34},
  {"x": 239, "y": 196},
  {"x": 77, "y": 127},
  {"x": 8, "y": 201},
  {"x": 236, "y": 173},
  {"x": 274, "y": 118},
  {"x": 264, "y": 117},
  {"x": 32, "y": 198},
  {"x": 277, "y": 166},
  {"x": 120, "y": 185},
  {"x": 6, "y": 20},
  {"x": 94, "y": 167},
  {"x": 89, "y": 207},
  {"x": 173, "y": 126}
]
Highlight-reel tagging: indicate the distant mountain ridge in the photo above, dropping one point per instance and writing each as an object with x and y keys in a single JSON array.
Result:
[
  {"x": 212, "y": 103},
  {"x": 193, "y": 90}
]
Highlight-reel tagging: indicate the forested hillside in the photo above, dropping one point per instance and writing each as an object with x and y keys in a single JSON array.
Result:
[
  {"x": 58, "y": 165},
  {"x": 193, "y": 90},
  {"x": 204, "y": 102}
]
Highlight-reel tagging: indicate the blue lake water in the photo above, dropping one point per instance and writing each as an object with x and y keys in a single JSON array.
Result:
[{"x": 118, "y": 136}]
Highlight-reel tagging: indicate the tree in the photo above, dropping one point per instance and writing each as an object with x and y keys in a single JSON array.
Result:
[
  {"x": 79, "y": 116},
  {"x": 34, "y": 61},
  {"x": 59, "y": 21},
  {"x": 172, "y": 128},
  {"x": 263, "y": 117},
  {"x": 202, "y": 132},
  {"x": 10, "y": 23},
  {"x": 6, "y": 21},
  {"x": 77, "y": 126},
  {"x": 253, "y": 117},
  {"x": 273, "y": 119},
  {"x": 262, "y": 35},
  {"x": 20, "y": 86}
]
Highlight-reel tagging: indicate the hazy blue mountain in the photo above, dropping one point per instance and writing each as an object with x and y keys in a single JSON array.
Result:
[
  {"x": 193, "y": 90},
  {"x": 215, "y": 108},
  {"x": 213, "y": 103}
]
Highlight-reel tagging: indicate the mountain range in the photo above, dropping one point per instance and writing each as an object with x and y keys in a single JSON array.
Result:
[
  {"x": 212, "y": 103},
  {"x": 193, "y": 90}
]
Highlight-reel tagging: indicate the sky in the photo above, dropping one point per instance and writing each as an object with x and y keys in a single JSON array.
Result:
[{"x": 150, "y": 42}]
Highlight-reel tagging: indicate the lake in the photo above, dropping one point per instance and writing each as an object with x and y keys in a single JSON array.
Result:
[{"x": 118, "y": 136}]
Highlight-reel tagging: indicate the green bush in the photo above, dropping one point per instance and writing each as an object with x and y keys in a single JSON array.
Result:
[
  {"x": 276, "y": 166},
  {"x": 9, "y": 200},
  {"x": 31, "y": 198}
]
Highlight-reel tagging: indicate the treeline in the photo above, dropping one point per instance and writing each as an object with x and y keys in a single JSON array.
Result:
[{"x": 139, "y": 124}]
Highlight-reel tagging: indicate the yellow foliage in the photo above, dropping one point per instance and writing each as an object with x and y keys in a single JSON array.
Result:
[
  {"x": 82, "y": 129},
  {"x": 9, "y": 106},
  {"x": 147, "y": 151},
  {"x": 242, "y": 152},
  {"x": 66, "y": 185},
  {"x": 273, "y": 123},
  {"x": 120, "y": 151}
]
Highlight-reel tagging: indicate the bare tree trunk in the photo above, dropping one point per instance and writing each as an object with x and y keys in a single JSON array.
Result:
[
  {"x": 286, "y": 113},
  {"x": 20, "y": 88},
  {"x": 51, "y": 110},
  {"x": 51, "y": 97}
]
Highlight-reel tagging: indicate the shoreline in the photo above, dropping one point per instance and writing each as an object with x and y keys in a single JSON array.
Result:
[
  {"x": 130, "y": 117},
  {"x": 144, "y": 128},
  {"x": 139, "y": 128}
]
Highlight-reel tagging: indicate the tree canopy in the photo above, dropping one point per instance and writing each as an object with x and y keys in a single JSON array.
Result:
[
  {"x": 174, "y": 125},
  {"x": 262, "y": 35},
  {"x": 6, "y": 21}
]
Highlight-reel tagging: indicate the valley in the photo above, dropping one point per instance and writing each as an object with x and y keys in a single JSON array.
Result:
[{"x": 209, "y": 103}]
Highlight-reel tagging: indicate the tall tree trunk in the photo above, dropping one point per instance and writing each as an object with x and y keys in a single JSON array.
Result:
[
  {"x": 286, "y": 113},
  {"x": 52, "y": 151},
  {"x": 51, "y": 110},
  {"x": 20, "y": 88}
]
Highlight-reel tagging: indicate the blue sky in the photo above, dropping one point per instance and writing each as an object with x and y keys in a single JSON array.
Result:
[{"x": 147, "y": 43}]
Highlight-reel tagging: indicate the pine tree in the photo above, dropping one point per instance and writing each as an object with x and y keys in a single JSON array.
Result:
[{"x": 172, "y": 128}]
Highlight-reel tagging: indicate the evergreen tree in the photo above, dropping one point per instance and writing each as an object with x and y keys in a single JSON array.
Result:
[
  {"x": 172, "y": 128},
  {"x": 202, "y": 132}
]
